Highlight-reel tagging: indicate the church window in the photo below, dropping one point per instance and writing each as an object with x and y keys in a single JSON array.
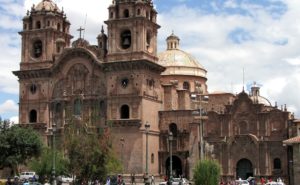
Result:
[
  {"x": 58, "y": 108},
  {"x": 77, "y": 107},
  {"x": 38, "y": 25},
  {"x": 25, "y": 26},
  {"x": 186, "y": 85},
  {"x": 124, "y": 82},
  {"x": 32, "y": 116},
  {"x": 148, "y": 39},
  {"x": 152, "y": 158},
  {"x": 126, "y": 13},
  {"x": 37, "y": 48},
  {"x": 277, "y": 163},
  {"x": 48, "y": 23},
  {"x": 33, "y": 88},
  {"x": 111, "y": 15},
  {"x": 125, "y": 112},
  {"x": 57, "y": 49},
  {"x": 173, "y": 129},
  {"x": 102, "y": 108},
  {"x": 58, "y": 26},
  {"x": 139, "y": 12},
  {"x": 126, "y": 39}
]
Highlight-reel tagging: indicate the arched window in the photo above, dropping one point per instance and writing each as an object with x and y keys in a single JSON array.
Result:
[
  {"x": 111, "y": 15},
  {"x": 102, "y": 108},
  {"x": 58, "y": 114},
  {"x": 126, "y": 13},
  {"x": 32, "y": 116},
  {"x": 173, "y": 129},
  {"x": 125, "y": 39},
  {"x": 125, "y": 112},
  {"x": 186, "y": 85},
  {"x": 152, "y": 158},
  {"x": 58, "y": 26},
  {"x": 148, "y": 38},
  {"x": 139, "y": 12},
  {"x": 77, "y": 107},
  {"x": 277, "y": 163},
  {"x": 38, "y": 25},
  {"x": 58, "y": 108}
]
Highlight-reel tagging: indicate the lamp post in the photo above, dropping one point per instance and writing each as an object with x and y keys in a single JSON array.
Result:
[
  {"x": 53, "y": 154},
  {"x": 170, "y": 142},
  {"x": 122, "y": 141},
  {"x": 147, "y": 126}
]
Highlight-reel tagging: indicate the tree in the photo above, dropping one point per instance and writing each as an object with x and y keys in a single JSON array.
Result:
[
  {"x": 44, "y": 164},
  {"x": 207, "y": 172},
  {"x": 17, "y": 146},
  {"x": 87, "y": 150}
]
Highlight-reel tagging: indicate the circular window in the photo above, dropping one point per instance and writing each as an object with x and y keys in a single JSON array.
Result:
[
  {"x": 37, "y": 48},
  {"x": 33, "y": 88},
  {"x": 124, "y": 82}
]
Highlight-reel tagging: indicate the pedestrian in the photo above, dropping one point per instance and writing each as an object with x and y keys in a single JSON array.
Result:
[
  {"x": 152, "y": 180},
  {"x": 133, "y": 179},
  {"x": 8, "y": 182},
  {"x": 46, "y": 182},
  {"x": 262, "y": 181},
  {"x": 26, "y": 182},
  {"x": 108, "y": 181}
]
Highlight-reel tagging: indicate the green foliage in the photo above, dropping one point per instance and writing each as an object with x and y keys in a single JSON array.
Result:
[
  {"x": 44, "y": 164},
  {"x": 87, "y": 151},
  {"x": 17, "y": 146},
  {"x": 207, "y": 172},
  {"x": 113, "y": 165}
]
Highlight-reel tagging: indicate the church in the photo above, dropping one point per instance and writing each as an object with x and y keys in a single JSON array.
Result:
[{"x": 157, "y": 104}]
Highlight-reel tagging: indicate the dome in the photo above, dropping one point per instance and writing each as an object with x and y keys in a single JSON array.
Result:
[
  {"x": 260, "y": 100},
  {"x": 178, "y": 62},
  {"x": 47, "y": 5},
  {"x": 255, "y": 95}
]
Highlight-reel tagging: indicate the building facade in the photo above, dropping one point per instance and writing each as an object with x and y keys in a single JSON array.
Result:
[{"x": 122, "y": 81}]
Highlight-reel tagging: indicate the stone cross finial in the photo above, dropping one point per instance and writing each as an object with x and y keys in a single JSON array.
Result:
[{"x": 80, "y": 30}]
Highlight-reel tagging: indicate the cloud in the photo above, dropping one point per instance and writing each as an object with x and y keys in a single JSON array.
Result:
[
  {"x": 14, "y": 119},
  {"x": 8, "y": 106},
  {"x": 266, "y": 46},
  {"x": 262, "y": 37}
]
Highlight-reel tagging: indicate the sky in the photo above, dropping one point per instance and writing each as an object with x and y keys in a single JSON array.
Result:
[{"x": 227, "y": 37}]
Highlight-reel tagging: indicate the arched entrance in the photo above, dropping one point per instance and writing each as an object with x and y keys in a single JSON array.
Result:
[
  {"x": 176, "y": 166},
  {"x": 244, "y": 169}
]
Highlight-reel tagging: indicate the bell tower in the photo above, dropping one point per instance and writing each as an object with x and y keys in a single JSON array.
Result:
[
  {"x": 45, "y": 33},
  {"x": 132, "y": 30},
  {"x": 134, "y": 90}
]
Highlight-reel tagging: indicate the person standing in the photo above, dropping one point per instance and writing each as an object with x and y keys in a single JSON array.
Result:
[{"x": 152, "y": 180}]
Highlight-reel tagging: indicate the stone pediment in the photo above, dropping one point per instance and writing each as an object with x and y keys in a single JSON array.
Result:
[{"x": 72, "y": 53}]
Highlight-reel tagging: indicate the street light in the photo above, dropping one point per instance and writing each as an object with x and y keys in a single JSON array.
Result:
[
  {"x": 170, "y": 142},
  {"x": 53, "y": 153},
  {"x": 147, "y": 126},
  {"x": 200, "y": 129},
  {"x": 122, "y": 141}
]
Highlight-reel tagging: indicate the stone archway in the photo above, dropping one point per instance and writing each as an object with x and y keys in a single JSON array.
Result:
[
  {"x": 244, "y": 169},
  {"x": 176, "y": 166}
]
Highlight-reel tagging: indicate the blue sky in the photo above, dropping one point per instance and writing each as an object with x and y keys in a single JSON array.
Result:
[{"x": 261, "y": 36}]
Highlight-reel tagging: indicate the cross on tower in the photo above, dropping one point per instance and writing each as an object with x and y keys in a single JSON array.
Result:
[{"x": 80, "y": 30}]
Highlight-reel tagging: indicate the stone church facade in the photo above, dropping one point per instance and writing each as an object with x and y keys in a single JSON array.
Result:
[{"x": 123, "y": 81}]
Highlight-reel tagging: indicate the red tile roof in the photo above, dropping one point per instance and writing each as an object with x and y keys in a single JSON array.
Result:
[{"x": 293, "y": 140}]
